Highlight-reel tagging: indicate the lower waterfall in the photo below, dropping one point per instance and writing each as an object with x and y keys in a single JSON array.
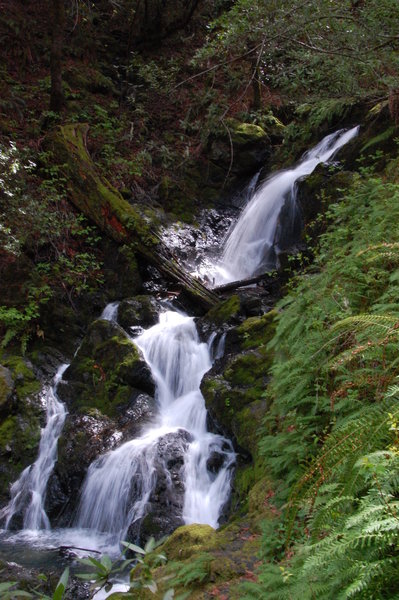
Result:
[{"x": 118, "y": 485}]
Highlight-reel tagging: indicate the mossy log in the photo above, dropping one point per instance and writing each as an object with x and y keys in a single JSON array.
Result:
[{"x": 98, "y": 200}]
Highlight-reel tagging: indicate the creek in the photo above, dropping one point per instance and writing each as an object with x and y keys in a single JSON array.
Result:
[{"x": 120, "y": 484}]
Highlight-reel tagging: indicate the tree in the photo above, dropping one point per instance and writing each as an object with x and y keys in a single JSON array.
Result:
[{"x": 57, "y": 11}]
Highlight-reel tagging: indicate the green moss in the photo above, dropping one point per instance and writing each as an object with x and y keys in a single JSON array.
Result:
[
  {"x": 223, "y": 312},
  {"x": 257, "y": 331},
  {"x": 26, "y": 383},
  {"x": 104, "y": 370},
  {"x": 189, "y": 540},
  {"x": 380, "y": 138},
  {"x": 6, "y": 385},
  {"x": 244, "y": 133},
  {"x": 7, "y": 431},
  {"x": 250, "y": 370}
]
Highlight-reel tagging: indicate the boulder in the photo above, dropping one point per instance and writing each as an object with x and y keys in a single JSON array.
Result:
[
  {"x": 140, "y": 311},
  {"x": 241, "y": 148},
  {"x": 83, "y": 439},
  {"x": 234, "y": 388},
  {"x": 6, "y": 387},
  {"x": 164, "y": 510},
  {"x": 21, "y": 416},
  {"x": 106, "y": 372}
]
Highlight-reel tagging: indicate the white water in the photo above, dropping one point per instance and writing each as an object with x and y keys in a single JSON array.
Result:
[
  {"x": 118, "y": 485},
  {"x": 110, "y": 312},
  {"x": 28, "y": 493},
  {"x": 251, "y": 243}
]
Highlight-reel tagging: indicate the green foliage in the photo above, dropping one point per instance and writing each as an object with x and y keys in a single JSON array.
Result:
[
  {"x": 336, "y": 338},
  {"x": 102, "y": 571},
  {"x": 195, "y": 571},
  {"x": 10, "y": 591},
  {"x": 54, "y": 247},
  {"x": 331, "y": 437},
  {"x": 309, "y": 48}
]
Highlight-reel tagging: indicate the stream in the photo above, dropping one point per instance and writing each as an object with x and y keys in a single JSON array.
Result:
[{"x": 119, "y": 484}]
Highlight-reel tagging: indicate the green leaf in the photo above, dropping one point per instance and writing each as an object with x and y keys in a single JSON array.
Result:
[{"x": 134, "y": 548}]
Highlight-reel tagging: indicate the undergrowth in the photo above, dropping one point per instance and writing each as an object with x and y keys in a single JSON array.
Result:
[{"x": 331, "y": 436}]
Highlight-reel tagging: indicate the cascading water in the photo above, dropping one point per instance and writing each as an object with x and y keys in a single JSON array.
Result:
[
  {"x": 28, "y": 493},
  {"x": 118, "y": 485},
  {"x": 251, "y": 244}
]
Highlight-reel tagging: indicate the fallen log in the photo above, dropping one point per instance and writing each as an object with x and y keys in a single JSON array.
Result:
[
  {"x": 100, "y": 202},
  {"x": 233, "y": 285}
]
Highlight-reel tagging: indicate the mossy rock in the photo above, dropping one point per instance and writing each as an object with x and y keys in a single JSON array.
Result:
[
  {"x": 241, "y": 149},
  {"x": 189, "y": 540},
  {"x": 20, "y": 426},
  {"x": 257, "y": 331},
  {"x": 25, "y": 382},
  {"x": 316, "y": 193},
  {"x": 6, "y": 386},
  {"x": 140, "y": 311},
  {"x": 224, "y": 312},
  {"x": 83, "y": 77},
  {"x": 105, "y": 371}
]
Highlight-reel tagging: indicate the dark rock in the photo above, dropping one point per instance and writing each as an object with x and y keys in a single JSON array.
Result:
[
  {"x": 140, "y": 411},
  {"x": 20, "y": 421},
  {"x": 83, "y": 439},
  {"x": 165, "y": 505},
  {"x": 140, "y": 311},
  {"x": 6, "y": 387},
  {"x": 215, "y": 462},
  {"x": 242, "y": 149},
  {"x": 105, "y": 371}
]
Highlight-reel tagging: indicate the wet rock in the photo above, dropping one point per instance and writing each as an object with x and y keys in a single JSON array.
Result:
[
  {"x": 215, "y": 462},
  {"x": 140, "y": 311},
  {"x": 140, "y": 411},
  {"x": 316, "y": 192},
  {"x": 20, "y": 421},
  {"x": 233, "y": 389},
  {"x": 165, "y": 504},
  {"x": 107, "y": 369},
  {"x": 6, "y": 387},
  {"x": 83, "y": 439}
]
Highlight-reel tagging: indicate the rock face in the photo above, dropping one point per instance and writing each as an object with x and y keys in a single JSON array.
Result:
[
  {"x": 140, "y": 311},
  {"x": 21, "y": 414},
  {"x": 165, "y": 504},
  {"x": 234, "y": 386},
  {"x": 109, "y": 391},
  {"x": 243, "y": 148},
  {"x": 107, "y": 373}
]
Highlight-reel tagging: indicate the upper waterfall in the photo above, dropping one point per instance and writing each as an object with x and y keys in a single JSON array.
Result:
[{"x": 251, "y": 245}]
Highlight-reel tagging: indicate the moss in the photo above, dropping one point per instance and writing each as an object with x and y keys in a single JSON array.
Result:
[
  {"x": 250, "y": 370},
  {"x": 189, "y": 540},
  {"x": 380, "y": 138},
  {"x": 92, "y": 193},
  {"x": 257, "y": 331},
  {"x": 244, "y": 133},
  {"x": 224, "y": 311},
  {"x": 104, "y": 371},
  {"x": 6, "y": 385},
  {"x": 25, "y": 381}
]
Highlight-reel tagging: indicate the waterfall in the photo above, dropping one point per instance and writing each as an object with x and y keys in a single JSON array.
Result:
[
  {"x": 118, "y": 485},
  {"x": 251, "y": 245},
  {"x": 28, "y": 493}
]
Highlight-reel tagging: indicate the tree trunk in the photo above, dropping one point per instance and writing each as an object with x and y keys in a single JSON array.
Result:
[
  {"x": 57, "y": 12},
  {"x": 98, "y": 200}
]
